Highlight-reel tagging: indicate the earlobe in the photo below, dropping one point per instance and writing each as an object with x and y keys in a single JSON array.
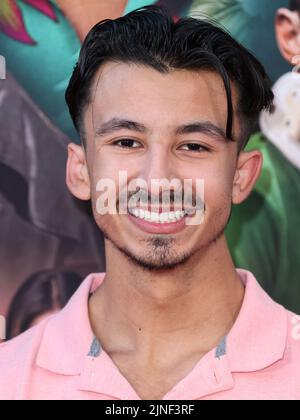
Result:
[
  {"x": 248, "y": 170},
  {"x": 77, "y": 176},
  {"x": 287, "y": 26}
]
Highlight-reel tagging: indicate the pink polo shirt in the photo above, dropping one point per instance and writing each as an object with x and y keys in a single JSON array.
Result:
[{"x": 60, "y": 358}]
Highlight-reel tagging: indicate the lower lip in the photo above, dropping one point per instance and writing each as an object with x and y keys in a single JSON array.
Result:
[{"x": 162, "y": 228}]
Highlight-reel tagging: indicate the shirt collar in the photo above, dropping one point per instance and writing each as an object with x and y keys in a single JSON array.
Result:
[
  {"x": 258, "y": 337},
  {"x": 256, "y": 341},
  {"x": 68, "y": 335}
]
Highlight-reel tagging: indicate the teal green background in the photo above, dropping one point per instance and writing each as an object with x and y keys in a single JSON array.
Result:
[{"x": 44, "y": 69}]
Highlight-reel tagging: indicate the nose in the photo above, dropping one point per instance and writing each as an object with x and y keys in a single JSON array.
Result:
[
  {"x": 157, "y": 164},
  {"x": 158, "y": 171}
]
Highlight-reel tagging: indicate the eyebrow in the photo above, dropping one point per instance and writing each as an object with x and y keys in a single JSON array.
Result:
[
  {"x": 116, "y": 124},
  {"x": 203, "y": 127}
]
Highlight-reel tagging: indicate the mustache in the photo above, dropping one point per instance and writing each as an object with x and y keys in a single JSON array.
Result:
[{"x": 163, "y": 198}]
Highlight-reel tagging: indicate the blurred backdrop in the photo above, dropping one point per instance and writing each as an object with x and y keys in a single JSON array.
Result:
[{"x": 45, "y": 233}]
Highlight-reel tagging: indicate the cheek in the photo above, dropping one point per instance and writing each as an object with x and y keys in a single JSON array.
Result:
[
  {"x": 107, "y": 164},
  {"x": 218, "y": 189},
  {"x": 217, "y": 199},
  {"x": 105, "y": 170},
  {"x": 109, "y": 176}
]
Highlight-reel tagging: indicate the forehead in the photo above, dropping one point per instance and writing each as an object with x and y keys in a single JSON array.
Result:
[{"x": 160, "y": 99}]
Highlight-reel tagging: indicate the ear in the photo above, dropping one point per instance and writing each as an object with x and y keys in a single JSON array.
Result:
[
  {"x": 248, "y": 170},
  {"x": 287, "y": 27},
  {"x": 77, "y": 176}
]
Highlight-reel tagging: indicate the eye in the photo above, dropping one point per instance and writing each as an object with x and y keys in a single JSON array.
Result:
[
  {"x": 127, "y": 143},
  {"x": 194, "y": 147}
]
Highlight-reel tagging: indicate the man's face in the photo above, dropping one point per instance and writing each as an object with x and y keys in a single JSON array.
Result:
[{"x": 161, "y": 103}]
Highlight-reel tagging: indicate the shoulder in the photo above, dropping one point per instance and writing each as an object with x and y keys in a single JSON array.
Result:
[{"x": 17, "y": 358}]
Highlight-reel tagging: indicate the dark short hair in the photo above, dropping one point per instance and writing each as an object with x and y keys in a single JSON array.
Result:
[
  {"x": 149, "y": 36},
  {"x": 295, "y": 5}
]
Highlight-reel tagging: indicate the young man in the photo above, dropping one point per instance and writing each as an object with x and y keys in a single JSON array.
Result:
[{"x": 171, "y": 318}]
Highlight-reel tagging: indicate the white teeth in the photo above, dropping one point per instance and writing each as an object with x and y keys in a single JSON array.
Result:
[
  {"x": 166, "y": 217},
  {"x": 172, "y": 217},
  {"x": 147, "y": 215},
  {"x": 163, "y": 217},
  {"x": 154, "y": 217},
  {"x": 179, "y": 214}
]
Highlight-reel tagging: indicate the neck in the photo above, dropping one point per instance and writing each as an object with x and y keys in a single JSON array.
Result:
[{"x": 142, "y": 311}]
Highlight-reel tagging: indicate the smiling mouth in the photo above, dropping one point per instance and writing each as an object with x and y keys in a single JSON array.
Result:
[{"x": 160, "y": 217}]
